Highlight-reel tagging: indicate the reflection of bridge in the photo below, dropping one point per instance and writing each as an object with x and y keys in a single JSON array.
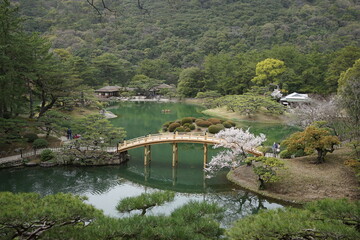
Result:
[{"x": 174, "y": 139}]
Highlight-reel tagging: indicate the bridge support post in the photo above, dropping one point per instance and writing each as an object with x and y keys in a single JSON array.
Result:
[
  {"x": 147, "y": 172},
  {"x": 147, "y": 155},
  {"x": 174, "y": 176},
  {"x": 175, "y": 155},
  {"x": 205, "y": 155}
]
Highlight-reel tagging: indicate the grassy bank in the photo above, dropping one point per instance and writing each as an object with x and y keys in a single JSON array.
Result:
[{"x": 304, "y": 181}]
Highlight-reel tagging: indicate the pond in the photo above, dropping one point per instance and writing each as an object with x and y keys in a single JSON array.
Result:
[{"x": 105, "y": 186}]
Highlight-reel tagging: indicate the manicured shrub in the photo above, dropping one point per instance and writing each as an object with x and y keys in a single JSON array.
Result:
[
  {"x": 173, "y": 126},
  {"x": 187, "y": 129},
  {"x": 229, "y": 124},
  {"x": 186, "y": 120},
  {"x": 191, "y": 126},
  {"x": 47, "y": 155},
  {"x": 40, "y": 143},
  {"x": 289, "y": 154},
  {"x": 186, "y": 125},
  {"x": 199, "y": 119},
  {"x": 180, "y": 129},
  {"x": 167, "y": 124},
  {"x": 285, "y": 154},
  {"x": 214, "y": 121},
  {"x": 215, "y": 128},
  {"x": 203, "y": 123},
  {"x": 31, "y": 137},
  {"x": 164, "y": 129}
]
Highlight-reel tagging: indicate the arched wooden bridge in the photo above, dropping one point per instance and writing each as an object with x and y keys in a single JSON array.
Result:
[{"x": 174, "y": 139}]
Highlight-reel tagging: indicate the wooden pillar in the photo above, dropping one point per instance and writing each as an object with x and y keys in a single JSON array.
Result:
[
  {"x": 147, "y": 155},
  {"x": 175, "y": 155},
  {"x": 174, "y": 176},
  {"x": 147, "y": 172},
  {"x": 205, "y": 154}
]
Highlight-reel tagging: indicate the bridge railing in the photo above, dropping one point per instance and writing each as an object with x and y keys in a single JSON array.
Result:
[{"x": 168, "y": 136}]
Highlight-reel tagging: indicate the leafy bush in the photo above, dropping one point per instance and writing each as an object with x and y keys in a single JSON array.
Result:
[
  {"x": 31, "y": 137},
  {"x": 40, "y": 143},
  {"x": 208, "y": 94},
  {"x": 167, "y": 124},
  {"x": 173, "y": 126},
  {"x": 187, "y": 120},
  {"x": 47, "y": 155},
  {"x": 214, "y": 121},
  {"x": 265, "y": 149},
  {"x": 180, "y": 129},
  {"x": 203, "y": 123},
  {"x": 164, "y": 129},
  {"x": 199, "y": 119},
  {"x": 289, "y": 154},
  {"x": 191, "y": 126},
  {"x": 216, "y": 128},
  {"x": 232, "y": 123},
  {"x": 285, "y": 154},
  {"x": 227, "y": 124}
]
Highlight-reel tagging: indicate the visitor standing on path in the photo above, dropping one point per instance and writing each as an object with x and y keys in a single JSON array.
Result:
[{"x": 69, "y": 134}]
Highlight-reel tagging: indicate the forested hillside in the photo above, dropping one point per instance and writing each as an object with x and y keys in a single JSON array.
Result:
[{"x": 221, "y": 40}]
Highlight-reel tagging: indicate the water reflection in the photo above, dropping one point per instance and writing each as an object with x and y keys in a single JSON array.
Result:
[{"x": 106, "y": 186}]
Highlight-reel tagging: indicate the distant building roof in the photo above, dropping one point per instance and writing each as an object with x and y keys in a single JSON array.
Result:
[
  {"x": 296, "y": 97},
  {"x": 108, "y": 89}
]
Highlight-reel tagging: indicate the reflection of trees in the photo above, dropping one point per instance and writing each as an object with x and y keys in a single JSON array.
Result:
[
  {"x": 237, "y": 204},
  {"x": 52, "y": 180}
]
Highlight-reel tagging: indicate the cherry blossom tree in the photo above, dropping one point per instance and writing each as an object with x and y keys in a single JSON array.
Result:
[{"x": 237, "y": 143}]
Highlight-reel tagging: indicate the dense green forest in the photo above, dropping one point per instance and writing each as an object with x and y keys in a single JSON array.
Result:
[
  {"x": 219, "y": 41},
  {"x": 51, "y": 49}
]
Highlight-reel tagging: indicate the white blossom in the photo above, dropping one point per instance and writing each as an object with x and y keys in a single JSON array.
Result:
[{"x": 238, "y": 142}]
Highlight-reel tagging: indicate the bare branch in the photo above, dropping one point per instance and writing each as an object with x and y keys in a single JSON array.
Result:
[{"x": 92, "y": 5}]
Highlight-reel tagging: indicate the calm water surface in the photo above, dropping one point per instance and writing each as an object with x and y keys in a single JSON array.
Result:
[{"x": 105, "y": 186}]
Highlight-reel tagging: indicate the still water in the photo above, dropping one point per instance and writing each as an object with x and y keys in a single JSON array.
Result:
[{"x": 105, "y": 186}]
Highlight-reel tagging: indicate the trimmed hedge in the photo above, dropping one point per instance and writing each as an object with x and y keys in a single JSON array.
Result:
[
  {"x": 214, "y": 121},
  {"x": 227, "y": 122},
  {"x": 40, "y": 143},
  {"x": 180, "y": 129},
  {"x": 285, "y": 154},
  {"x": 203, "y": 123},
  {"x": 199, "y": 119},
  {"x": 167, "y": 124},
  {"x": 31, "y": 137},
  {"x": 187, "y": 120},
  {"x": 173, "y": 126},
  {"x": 215, "y": 128}
]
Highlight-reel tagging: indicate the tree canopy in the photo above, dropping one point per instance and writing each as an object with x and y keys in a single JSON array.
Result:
[
  {"x": 311, "y": 139},
  {"x": 325, "y": 219},
  {"x": 27, "y": 215}
]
